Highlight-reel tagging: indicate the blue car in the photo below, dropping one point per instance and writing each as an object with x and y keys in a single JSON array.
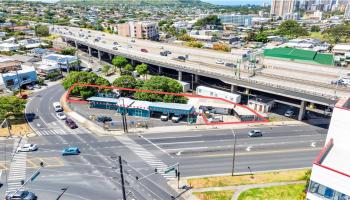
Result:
[{"x": 70, "y": 151}]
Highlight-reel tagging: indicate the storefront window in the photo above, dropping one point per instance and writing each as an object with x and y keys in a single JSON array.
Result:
[{"x": 326, "y": 192}]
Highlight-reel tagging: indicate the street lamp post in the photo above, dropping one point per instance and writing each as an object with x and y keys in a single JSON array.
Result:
[{"x": 234, "y": 152}]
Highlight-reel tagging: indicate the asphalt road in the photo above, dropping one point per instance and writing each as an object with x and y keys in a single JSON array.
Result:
[{"x": 95, "y": 173}]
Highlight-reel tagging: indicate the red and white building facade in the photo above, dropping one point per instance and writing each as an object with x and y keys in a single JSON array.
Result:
[{"x": 330, "y": 178}]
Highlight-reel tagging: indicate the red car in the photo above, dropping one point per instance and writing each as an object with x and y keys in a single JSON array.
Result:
[
  {"x": 144, "y": 50},
  {"x": 23, "y": 96}
]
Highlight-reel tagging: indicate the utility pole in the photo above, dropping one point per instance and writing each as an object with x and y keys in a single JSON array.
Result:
[
  {"x": 234, "y": 153},
  {"x": 122, "y": 176}
]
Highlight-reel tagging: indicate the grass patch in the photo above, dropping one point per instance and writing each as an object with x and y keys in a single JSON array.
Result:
[
  {"x": 215, "y": 195},
  {"x": 19, "y": 127},
  {"x": 221, "y": 181},
  {"x": 285, "y": 192}
]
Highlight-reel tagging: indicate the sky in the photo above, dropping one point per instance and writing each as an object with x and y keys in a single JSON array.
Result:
[{"x": 218, "y": 2}]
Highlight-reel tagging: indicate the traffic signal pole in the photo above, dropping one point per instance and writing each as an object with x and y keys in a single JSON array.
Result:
[{"x": 122, "y": 177}]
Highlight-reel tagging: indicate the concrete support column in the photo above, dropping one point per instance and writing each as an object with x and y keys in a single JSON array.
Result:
[
  {"x": 89, "y": 48},
  {"x": 132, "y": 62},
  {"x": 99, "y": 55},
  {"x": 302, "y": 110},
  {"x": 180, "y": 76},
  {"x": 196, "y": 78},
  {"x": 110, "y": 56},
  {"x": 159, "y": 69},
  {"x": 76, "y": 44},
  {"x": 233, "y": 88}
]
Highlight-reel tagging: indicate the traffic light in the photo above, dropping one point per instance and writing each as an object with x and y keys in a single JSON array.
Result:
[
  {"x": 41, "y": 164},
  {"x": 175, "y": 172}
]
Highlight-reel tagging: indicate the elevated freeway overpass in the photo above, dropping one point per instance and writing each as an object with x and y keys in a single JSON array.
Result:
[{"x": 202, "y": 63}]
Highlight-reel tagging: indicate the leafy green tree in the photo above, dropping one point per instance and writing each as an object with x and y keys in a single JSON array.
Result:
[
  {"x": 186, "y": 37},
  {"x": 83, "y": 77},
  {"x": 338, "y": 33},
  {"x": 68, "y": 51},
  {"x": 105, "y": 69},
  {"x": 209, "y": 20},
  {"x": 261, "y": 37},
  {"x": 42, "y": 30},
  {"x": 119, "y": 62},
  {"x": 142, "y": 69},
  {"x": 195, "y": 44},
  {"x": 291, "y": 29},
  {"x": 315, "y": 28},
  {"x": 125, "y": 81},
  {"x": 11, "y": 106},
  {"x": 163, "y": 84},
  {"x": 128, "y": 68}
]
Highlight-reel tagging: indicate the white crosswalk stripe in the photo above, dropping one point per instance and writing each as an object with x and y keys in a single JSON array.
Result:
[
  {"x": 17, "y": 168},
  {"x": 147, "y": 156},
  {"x": 46, "y": 132}
]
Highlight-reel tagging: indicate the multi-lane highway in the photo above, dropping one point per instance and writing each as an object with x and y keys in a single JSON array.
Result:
[{"x": 205, "y": 61}]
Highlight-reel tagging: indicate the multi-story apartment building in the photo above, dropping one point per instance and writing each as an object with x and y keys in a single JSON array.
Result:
[
  {"x": 330, "y": 178},
  {"x": 282, "y": 7},
  {"x": 237, "y": 20},
  {"x": 142, "y": 30}
]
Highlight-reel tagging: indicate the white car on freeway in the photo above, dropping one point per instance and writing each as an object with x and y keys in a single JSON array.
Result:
[
  {"x": 61, "y": 115},
  {"x": 27, "y": 148},
  {"x": 219, "y": 62}
]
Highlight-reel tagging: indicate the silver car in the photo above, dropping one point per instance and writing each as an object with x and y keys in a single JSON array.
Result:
[
  {"x": 21, "y": 195},
  {"x": 255, "y": 133}
]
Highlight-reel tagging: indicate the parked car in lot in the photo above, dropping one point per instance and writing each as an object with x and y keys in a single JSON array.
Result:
[
  {"x": 104, "y": 119},
  {"x": 29, "y": 87},
  {"x": 21, "y": 195},
  {"x": 71, "y": 124},
  {"x": 176, "y": 118},
  {"x": 27, "y": 148},
  {"x": 164, "y": 117},
  {"x": 61, "y": 115},
  {"x": 255, "y": 133},
  {"x": 70, "y": 151},
  {"x": 144, "y": 50},
  {"x": 289, "y": 113},
  {"x": 23, "y": 96},
  {"x": 212, "y": 119},
  {"x": 86, "y": 69}
]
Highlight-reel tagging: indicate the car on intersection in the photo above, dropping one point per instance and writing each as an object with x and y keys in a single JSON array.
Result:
[
  {"x": 255, "y": 133},
  {"x": 61, "y": 115},
  {"x": 71, "y": 124},
  {"x": 21, "y": 195},
  {"x": 104, "y": 119},
  {"x": 70, "y": 151},
  {"x": 27, "y": 148}
]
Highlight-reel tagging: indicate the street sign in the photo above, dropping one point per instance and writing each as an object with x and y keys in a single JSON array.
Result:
[
  {"x": 34, "y": 176},
  {"x": 169, "y": 170}
]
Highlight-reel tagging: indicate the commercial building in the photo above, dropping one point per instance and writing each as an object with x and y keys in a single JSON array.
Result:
[
  {"x": 62, "y": 61},
  {"x": 14, "y": 79},
  {"x": 141, "y": 30},
  {"x": 262, "y": 105},
  {"x": 281, "y": 7},
  {"x": 8, "y": 64},
  {"x": 9, "y": 47},
  {"x": 330, "y": 178},
  {"x": 237, "y": 20}
]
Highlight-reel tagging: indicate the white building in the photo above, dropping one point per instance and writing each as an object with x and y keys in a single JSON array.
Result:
[
  {"x": 330, "y": 178},
  {"x": 347, "y": 12},
  {"x": 9, "y": 47}
]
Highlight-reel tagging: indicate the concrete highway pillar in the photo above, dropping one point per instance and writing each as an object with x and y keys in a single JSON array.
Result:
[
  {"x": 99, "y": 55},
  {"x": 110, "y": 56},
  {"x": 89, "y": 48},
  {"x": 233, "y": 88},
  {"x": 159, "y": 70},
  {"x": 196, "y": 78},
  {"x": 132, "y": 62},
  {"x": 302, "y": 110},
  {"x": 180, "y": 76},
  {"x": 76, "y": 44}
]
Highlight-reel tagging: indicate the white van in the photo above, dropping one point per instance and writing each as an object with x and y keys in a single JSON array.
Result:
[{"x": 57, "y": 106}]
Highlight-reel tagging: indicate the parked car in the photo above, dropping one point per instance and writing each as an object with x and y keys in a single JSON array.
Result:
[
  {"x": 176, "y": 118},
  {"x": 164, "y": 117},
  {"x": 215, "y": 119},
  {"x": 132, "y": 40},
  {"x": 29, "y": 87},
  {"x": 27, "y": 148},
  {"x": 144, "y": 50},
  {"x": 289, "y": 113},
  {"x": 36, "y": 86},
  {"x": 115, "y": 43},
  {"x": 70, "y": 151},
  {"x": 167, "y": 52},
  {"x": 104, "y": 119},
  {"x": 255, "y": 133},
  {"x": 86, "y": 69},
  {"x": 23, "y": 96},
  {"x": 98, "y": 69},
  {"x": 219, "y": 61},
  {"x": 163, "y": 53},
  {"x": 61, "y": 115},
  {"x": 71, "y": 124},
  {"x": 21, "y": 195}
]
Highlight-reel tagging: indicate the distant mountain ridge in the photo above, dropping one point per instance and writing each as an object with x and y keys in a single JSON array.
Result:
[{"x": 138, "y": 2}]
